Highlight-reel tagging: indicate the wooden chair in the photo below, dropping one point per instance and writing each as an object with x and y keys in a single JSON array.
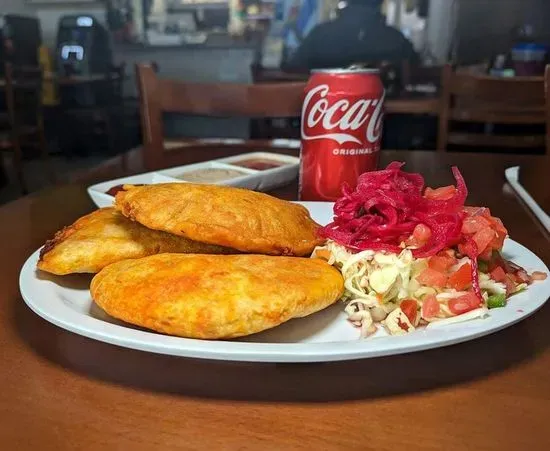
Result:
[
  {"x": 471, "y": 98},
  {"x": 397, "y": 77},
  {"x": 23, "y": 118},
  {"x": 412, "y": 75},
  {"x": 158, "y": 96},
  {"x": 262, "y": 75}
]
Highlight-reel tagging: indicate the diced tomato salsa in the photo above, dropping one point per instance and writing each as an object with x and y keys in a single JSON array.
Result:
[
  {"x": 462, "y": 278},
  {"x": 464, "y": 304},
  {"x": 432, "y": 278},
  {"x": 410, "y": 309},
  {"x": 430, "y": 307}
]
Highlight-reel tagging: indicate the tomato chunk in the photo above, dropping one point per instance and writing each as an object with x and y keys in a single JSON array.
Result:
[
  {"x": 410, "y": 309},
  {"x": 432, "y": 278},
  {"x": 441, "y": 263},
  {"x": 486, "y": 231},
  {"x": 468, "y": 248},
  {"x": 498, "y": 274},
  {"x": 443, "y": 193},
  {"x": 483, "y": 238},
  {"x": 464, "y": 304},
  {"x": 473, "y": 224},
  {"x": 501, "y": 233},
  {"x": 430, "y": 307},
  {"x": 478, "y": 211},
  {"x": 497, "y": 225},
  {"x": 462, "y": 278}
]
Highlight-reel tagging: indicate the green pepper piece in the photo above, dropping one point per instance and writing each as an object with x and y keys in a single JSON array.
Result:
[{"x": 496, "y": 301}]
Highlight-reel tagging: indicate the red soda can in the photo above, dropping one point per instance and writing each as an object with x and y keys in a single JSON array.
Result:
[{"x": 341, "y": 130}]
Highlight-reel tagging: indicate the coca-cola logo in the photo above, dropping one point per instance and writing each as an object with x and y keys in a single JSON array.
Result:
[{"x": 342, "y": 121}]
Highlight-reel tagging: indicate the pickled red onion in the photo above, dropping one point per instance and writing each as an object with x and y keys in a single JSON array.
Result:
[{"x": 383, "y": 210}]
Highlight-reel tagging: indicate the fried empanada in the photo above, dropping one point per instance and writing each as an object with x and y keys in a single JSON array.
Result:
[
  {"x": 215, "y": 296},
  {"x": 106, "y": 236},
  {"x": 226, "y": 216}
]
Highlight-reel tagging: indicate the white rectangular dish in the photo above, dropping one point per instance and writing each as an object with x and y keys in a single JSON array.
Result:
[{"x": 284, "y": 172}]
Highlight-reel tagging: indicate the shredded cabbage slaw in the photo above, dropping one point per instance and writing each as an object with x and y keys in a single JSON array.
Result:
[
  {"x": 377, "y": 282},
  {"x": 412, "y": 256}
]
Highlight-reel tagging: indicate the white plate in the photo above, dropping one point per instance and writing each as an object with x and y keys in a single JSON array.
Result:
[
  {"x": 325, "y": 336},
  {"x": 251, "y": 179}
]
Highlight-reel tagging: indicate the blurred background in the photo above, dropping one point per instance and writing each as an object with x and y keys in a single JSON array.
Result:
[{"x": 86, "y": 105}]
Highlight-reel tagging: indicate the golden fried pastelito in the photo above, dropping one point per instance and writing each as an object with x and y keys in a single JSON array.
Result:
[
  {"x": 237, "y": 218},
  {"x": 215, "y": 296},
  {"x": 106, "y": 236}
]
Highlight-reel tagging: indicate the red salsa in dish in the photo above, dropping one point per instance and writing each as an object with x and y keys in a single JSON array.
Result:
[{"x": 260, "y": 164}]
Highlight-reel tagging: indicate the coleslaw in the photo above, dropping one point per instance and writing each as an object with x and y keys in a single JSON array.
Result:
[{"x": 402, "y": 271}]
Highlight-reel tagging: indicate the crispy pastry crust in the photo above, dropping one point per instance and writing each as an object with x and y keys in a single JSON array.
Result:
[
  {"x": 106, "y": 236},
  {"x": 215, "y": 296},
  {"x": 241, "y": 219}
]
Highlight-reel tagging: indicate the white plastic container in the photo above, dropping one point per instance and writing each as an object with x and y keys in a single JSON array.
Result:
[{"x": 254, "y": 179}]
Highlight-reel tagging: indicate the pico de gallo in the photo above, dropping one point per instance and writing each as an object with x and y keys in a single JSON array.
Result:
[{"x": 411, "y": 255}]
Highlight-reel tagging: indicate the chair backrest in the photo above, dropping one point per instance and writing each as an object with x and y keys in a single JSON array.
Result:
[
  {"x": 262, "y": 75},
  {"x": 158, "y": 96},
  {"x": 23, "y": 93},
  {"x": 471, "y": 98},
  {"x": 412, "y": 75}
]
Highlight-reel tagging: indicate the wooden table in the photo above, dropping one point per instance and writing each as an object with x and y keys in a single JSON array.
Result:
[{"x": 60, "y": 391}]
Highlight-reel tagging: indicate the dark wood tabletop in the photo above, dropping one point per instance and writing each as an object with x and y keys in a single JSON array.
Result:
[{"x": 60, "y": 391}]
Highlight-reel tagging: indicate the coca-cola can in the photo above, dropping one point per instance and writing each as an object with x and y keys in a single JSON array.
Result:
[{"x": 341, "y": 130}]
